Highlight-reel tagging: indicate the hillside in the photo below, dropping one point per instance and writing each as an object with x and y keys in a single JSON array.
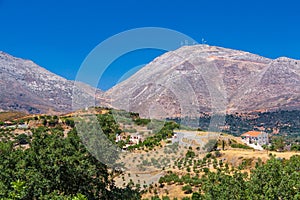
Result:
[
  {"x": 281, "y": 122},
  {"x": 27, "y": 87},
  {"x": 202, "y": 78},
  {"x": 185, "y": 82},
  {"x": 155, "y": 166}
]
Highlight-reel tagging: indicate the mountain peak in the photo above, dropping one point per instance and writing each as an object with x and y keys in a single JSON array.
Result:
[
  {"x": 286, "y": 59},
  {"x": 181, "y": 82}
]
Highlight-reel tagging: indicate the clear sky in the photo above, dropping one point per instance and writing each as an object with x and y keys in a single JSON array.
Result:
[{"x": 58, "y": 34}]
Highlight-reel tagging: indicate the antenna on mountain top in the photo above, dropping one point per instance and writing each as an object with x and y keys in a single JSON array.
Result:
[{"x": 203, "y": 41}]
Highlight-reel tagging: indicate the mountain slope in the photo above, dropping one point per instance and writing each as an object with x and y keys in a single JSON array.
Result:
[
  {"x": 204, "y": 78},
  {"x": 25, "y": 86}
]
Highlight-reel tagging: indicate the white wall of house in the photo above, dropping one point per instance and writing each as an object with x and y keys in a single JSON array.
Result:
[{"x": 261, "y": 139}]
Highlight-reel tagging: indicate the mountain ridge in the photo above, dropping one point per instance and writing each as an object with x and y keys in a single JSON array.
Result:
[
  {"x": 25, "y": 86},
  {"x": 184, "y": 82},
  {"x": 196, "y": 67}
]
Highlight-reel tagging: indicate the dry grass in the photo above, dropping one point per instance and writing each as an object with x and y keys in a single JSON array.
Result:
[
  {"x": 173, "y": 191},
  {"x": 7, "y": 116},
  {"x": 234, "y": 155}
]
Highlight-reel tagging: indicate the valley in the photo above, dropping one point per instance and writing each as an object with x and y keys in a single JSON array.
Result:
[
  {"x": 170, "y": 131},
  {"x": 147, "y": 164}
]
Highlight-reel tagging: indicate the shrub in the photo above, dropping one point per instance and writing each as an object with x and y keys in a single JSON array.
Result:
[
  {"x": 22, "y": 139},
  {"x": 190, "y": 154},
  {"x": 187, "y": 189},
  {"x": 240, "y": 146},
  {"x": 218, "y": 154},
  {"x": 208, "y": 155}
]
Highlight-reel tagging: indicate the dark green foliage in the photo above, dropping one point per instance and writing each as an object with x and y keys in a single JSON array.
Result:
[
  {"x": 277, "y": 179},
  {"x": 142, "y": 122},
  {"x": 155, "y": 198},
  {"x": 70, "y": 122},
  {"x": 187, "y": 189},
  {"x": 277, "y": 143},
  {"x": 288, "y": 123},
  {"x": 22, "y": 139},
  {"x": 109, "y": 126},
  {"x": 45, "y": 122},
  {"x": 196, "y": 196},
  {"x": 98, "y": 133},
  {"x": 190, "y": 154},
  {"x": 295, "y": 147},
  {"x": 240, "y": 146},
  {"x": 55, "y": 167},
  {"x": 208, "y": 155}
]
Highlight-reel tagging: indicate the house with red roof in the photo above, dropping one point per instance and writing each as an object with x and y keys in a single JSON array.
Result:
[{"x": 256, "y": 137}]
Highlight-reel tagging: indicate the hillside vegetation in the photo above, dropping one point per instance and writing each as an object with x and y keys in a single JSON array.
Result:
[{"x": 48, "y": 159}]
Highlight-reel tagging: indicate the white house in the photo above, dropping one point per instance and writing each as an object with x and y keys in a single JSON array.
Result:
[
  {"x": 118, "y": 138},
  {"x": 256, "y": 137},
  {"x": 135, "y": 139}
]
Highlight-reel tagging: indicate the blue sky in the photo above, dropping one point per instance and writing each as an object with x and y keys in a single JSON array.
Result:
[{"x": 59, "y": 34}]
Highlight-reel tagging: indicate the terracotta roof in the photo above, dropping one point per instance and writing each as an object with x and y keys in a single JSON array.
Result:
[{"x": 252, "y": 133}]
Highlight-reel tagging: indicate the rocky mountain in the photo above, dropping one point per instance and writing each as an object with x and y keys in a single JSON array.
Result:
[
  {"x": 184, "y": 82},
  {"x": 25, "y": 86},
  {"x": 202, "y": 78}
]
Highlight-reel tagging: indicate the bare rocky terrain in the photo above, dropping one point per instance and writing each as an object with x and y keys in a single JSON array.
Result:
[
  {"x": 25, "y": 86},
  {"x": 184, "y": 82},
  {"x": 202, "y": 78}
]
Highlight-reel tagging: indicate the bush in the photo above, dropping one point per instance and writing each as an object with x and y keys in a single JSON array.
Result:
[
  {"x": 187, "y": 189},
  {"x": 218, "y": 154},
  {"x": 240, "y": 146},
  {"x": 295, "y": 147},
  {"x": 165, "y": 198},
  {"x": 196, "y": 196},
  {"x": 142, "y": 122},
  {"x": 55, "y": 164},
  {"x": 22, "y": 139},
  {"x": 70, "y": 122},
  {"x": 190, "y": 154},
  {"x": 208, "y": 155}
]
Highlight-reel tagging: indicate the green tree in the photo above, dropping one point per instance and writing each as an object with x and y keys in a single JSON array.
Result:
[
  {"x": 187, "y": 189},
  {"x": 196, "y": 196},
  {"x": 58, "y": 166},
  {"x": 278, "y": 143},
  {"x": 22, "y": 139}
]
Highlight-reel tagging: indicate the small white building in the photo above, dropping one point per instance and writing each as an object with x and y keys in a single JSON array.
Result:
[
  {"x": 135, "y": 139},
  {"x": 118, "y": 138}
]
